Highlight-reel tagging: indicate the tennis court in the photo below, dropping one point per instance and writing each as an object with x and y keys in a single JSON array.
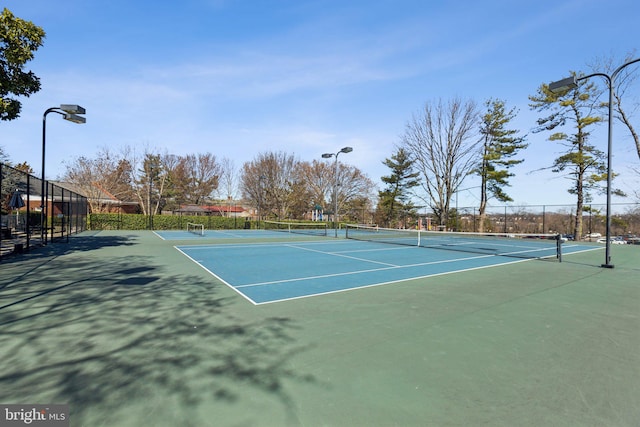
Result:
[
  {"x": 273, "y": 229},
  {"x": 129, "y": 331},
  {"x": 272, "y": 272}
]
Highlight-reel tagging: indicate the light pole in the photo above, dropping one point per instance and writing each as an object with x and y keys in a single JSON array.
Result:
[
  {"x": 571, "y": 83},
  {"x": 335, "y": 182},
  {"x": 149, "y": 198},
  {"x": 457, "y": 212},
  {"x": 261, "y": 178},
  {"x": 68, "y": 112}
]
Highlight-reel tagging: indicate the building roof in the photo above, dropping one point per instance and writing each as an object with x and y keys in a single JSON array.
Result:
[{"x": 99, "y": 194}]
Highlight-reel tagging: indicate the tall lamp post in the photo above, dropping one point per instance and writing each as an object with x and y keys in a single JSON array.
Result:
[
  {"x": 571, "y": 83},
  {"x": 149, "y": 198},
  {"x": 68, "y": 112},
  {"x": 261, "y": 178},
  {"x": 335, "y": 181}
]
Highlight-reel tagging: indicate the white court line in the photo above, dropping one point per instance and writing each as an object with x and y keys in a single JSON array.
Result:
[
  {"x": 340, "y": 255},
  {"x": 154, "y": 232},
  {"x": 238, "y": 245},
  {"x": 217, "y": 277},
  {"x": 390, "y": 282},
  {"x": 390, "y": 267},
  {"x": 235, "y": 235}
]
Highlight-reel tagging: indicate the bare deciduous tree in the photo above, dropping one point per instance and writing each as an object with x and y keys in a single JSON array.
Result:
[
  {"x": 352, "y": 185},
  {"x": 318, "y": 177},
  {"x": 150, "y": 181},
  {"x": 267, "y": 181},
  {"x": 280, "y": 186},
  {"x": 195, "y": 178},
  {"x": 108, "y": 174},
  {"x": 228, "y": 179},
  {"x": 623, "y": 81},
  {"x": 443, "y": 140}
]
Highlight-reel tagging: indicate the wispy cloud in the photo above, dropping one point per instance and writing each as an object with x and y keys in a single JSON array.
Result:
[{"x": 235, "y": 78}]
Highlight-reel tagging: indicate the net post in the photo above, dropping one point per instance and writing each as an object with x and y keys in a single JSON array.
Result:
[
  {"x": 194, "y": 228},
  {"x": 559, "y": 247}
]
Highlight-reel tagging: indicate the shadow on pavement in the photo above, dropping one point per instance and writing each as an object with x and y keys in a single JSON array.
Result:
[{"x": 127, "y": 333}]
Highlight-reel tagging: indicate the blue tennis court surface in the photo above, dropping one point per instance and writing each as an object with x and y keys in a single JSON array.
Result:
[{"x": 271, "y": 272}]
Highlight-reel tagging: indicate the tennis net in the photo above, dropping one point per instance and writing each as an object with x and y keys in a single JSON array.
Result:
[
  {"x": 504, "y": 244},
  {"x": 311, "y": 228},
  {"x": 195, "y": 228}
]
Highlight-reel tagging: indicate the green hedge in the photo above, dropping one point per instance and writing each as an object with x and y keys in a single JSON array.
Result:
[{"x": 163, "y": 222}]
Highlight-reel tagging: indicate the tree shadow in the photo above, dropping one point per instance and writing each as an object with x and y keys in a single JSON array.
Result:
[
  {"x": 38, "y": 257},
  {"x": 87, "y": 241},
  {"x": 126, "y": 334}
]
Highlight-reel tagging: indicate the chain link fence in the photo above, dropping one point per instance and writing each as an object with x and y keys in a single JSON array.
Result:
[
  {"x": 31, "y": 217},
  {"x": 625, "y": 219}
]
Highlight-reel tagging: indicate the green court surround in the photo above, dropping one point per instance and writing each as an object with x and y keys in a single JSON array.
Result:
[{"x": 129, "y": 332}]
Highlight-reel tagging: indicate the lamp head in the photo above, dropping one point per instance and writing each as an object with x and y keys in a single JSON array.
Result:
[
  {"x": 327, "y": 155},
  {"x": 563, "y": 85},
  {"x": 72, "y": 109},
  {"x": 346, "y": 150},
  {"x": 75, "y": 119}
]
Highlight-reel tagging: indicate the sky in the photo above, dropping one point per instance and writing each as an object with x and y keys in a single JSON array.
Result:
[{"x": 236, "y": 78}]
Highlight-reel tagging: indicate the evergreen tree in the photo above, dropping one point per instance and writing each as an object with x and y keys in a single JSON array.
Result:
[
  {"x": 584, "y": 164},
  {"x": 395, "y": 200},
  {"x": 499, "y": 147},
  {"x": 4, "y": 157}
]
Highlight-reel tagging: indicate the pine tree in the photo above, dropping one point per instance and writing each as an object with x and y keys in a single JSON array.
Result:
[
  {"x": 395, "y": 200},
  {"x": 582, "y": 161},
  {"x": 499, "y": 147}
]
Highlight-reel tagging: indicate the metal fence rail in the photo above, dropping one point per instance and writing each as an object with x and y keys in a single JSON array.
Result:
[
  {"x": 29, "y": 218},
  {"x": 550, "y": 219}
]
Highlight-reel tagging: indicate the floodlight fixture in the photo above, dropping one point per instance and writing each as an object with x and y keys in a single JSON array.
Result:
[
  {"x": 563, "y": 85},
  {"x": 570, "y": 83},
  {"x": 70, "y": 113},
  {"x": 72, "y": 109},
  {"x": 335, "y": 181},
  {"x": 74, "y": 118}
]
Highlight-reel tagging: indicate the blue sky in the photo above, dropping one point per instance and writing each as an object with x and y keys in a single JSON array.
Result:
[{"x": 240, "y": 77}]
